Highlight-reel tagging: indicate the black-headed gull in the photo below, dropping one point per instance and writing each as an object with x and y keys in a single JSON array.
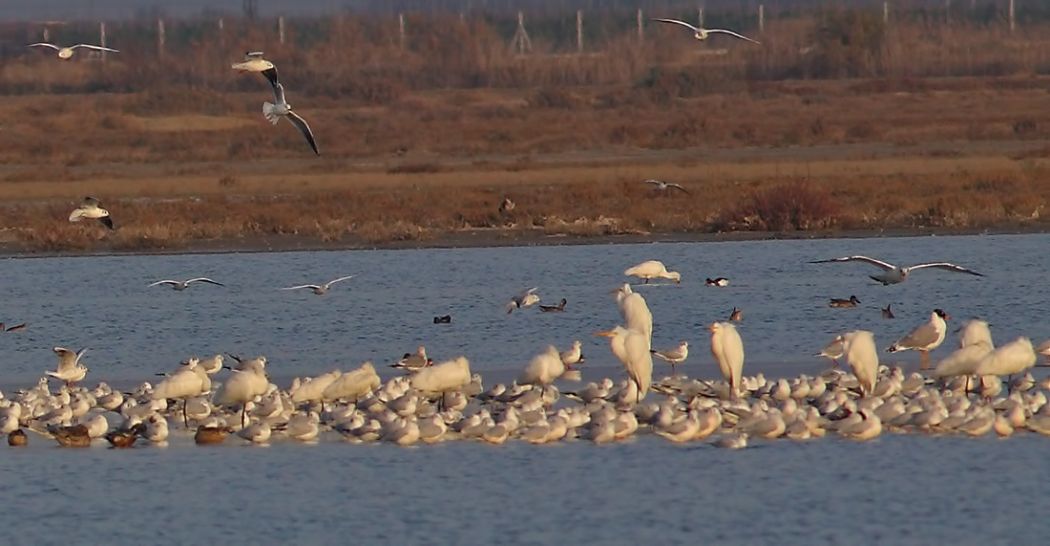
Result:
[
  {"x": 703, "y": 33},
  {"x": 894, "y": 274},
  {"x": 65, "y": 53},
  {"x": 182, "y": 285},
  {"x": 274, "y": 111},
  {"x": 91, "y": 208},
  {"x": 661, "y": 186},
  {"x": 319, "y": 289},
  {"x": 527, "y": 298}
]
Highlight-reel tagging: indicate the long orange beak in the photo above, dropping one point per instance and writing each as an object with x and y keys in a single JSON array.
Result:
[{"x": 606, "y": 333}]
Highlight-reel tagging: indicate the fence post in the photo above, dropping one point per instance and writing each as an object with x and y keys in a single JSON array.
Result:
[
  {"x": 638, "y": 22},
  {"x": 947, "y": 12},
  {"x": 160, "y": 37},
  {"x": 280, "y": 29},
  {"x": 401, "y": 30},
  {"x": 700, "y": 17},
  {"x": 102, "y": 38},
  {"x": 47, "y": 35},
  {"x": 1013, "y": 22},
  {"x": 521, "y": 40},
  {"x": 761, "y": 18},
  {"x": 579, "y": 31},
  {"x": 886, "y": 13}
]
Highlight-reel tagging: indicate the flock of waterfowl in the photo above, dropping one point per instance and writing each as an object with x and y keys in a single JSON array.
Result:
[{"x": 445, "y": 401}]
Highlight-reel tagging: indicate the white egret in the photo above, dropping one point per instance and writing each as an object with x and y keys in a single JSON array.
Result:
[
  {"x": 728, "y": 350},
  {"x": 188, "y": 382},
  {"x": 862, "y": 356},
  {"x": 352, "y": 385},
  {"x": 1012, "y": 358},
  {"x": 543, "y": 369},
  {"x": 652, "y": 269},
  {"x": 631, "y": 347}
]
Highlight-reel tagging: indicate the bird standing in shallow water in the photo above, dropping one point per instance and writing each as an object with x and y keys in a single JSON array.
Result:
[{"x": 924, "y": 338}]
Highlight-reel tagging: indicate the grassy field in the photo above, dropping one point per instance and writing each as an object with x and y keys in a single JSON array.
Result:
[{"x": 193, "y": 165}]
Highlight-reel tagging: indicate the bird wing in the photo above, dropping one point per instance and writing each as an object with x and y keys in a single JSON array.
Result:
[
  {"x": 677, "y": 22},
  {"x": 95, "y": 47},
  {"x": 945, "y": 265},
  {"x": 278, "y": 91},
  {"x": 80, "y": 354},
  {"x": 45, "y": 44},
  {"x": 872, "y": 261},
  {"x": 89, "y": 202},
  {"x": 165, "y": 281},
  {"x": 271, "y": 76},
  {"x": 76, "y": 215},
  {"x": 333, "y": 281},
  {"x": 731, "y": 33},
  {"x": 678, "y": 186},
  {"x": 922, "y": 336},
  {"x": 66, "y": 358},
  {"x": 312, "y": 286},
  {"x": 529, "y": 291},
  {"x": 249, "y": 55},
  {"x": 300, "y": 123},
  {"x": 204, "y": 279},
  {"x": 653, "y": 181},
  {"x": 107, "y": 221}
]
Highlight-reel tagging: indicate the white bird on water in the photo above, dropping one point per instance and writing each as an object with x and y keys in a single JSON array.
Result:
[
  {"x": 69, "y": 368},
  {"x": 975, "y": 342},
  {"x": 321, "y": 289},
  {"x": 1012, "y": 358},
  {"x": 91, "y": 208},
  {"x": 895, "y": 274},
  {"x": 543, "y": 369},
  {"x": 527, "y": 298},
  {"x": 674, "y": 356},
  {"x": 631, "y": 347},
  {"x": 728, "y": 350},
  {"x": 652, "y": 269},
  {"x": 182, "y": 285},
  {"x": 924, "y": 338},
  {"x": 66, "y": 53},
  {"x": 704, "y": 33},
  {"x": 862, "y": 356}
]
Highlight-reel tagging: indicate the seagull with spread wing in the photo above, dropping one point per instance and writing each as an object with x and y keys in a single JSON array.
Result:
[
  {"x": 274, "y": 111},
  {"x": 65, "y": 53},
  {"x": 527, "y": 298},
  {"x": 91, "y": 208},
  {"x": 182, "y": 285},
  {"x": 893, "y": 274},
  {"x": 69, "y": 368},
  {"x": 664, "y": 187},
  {"x": 704, "y": 33},
  {"x": 322, "y": 289}
]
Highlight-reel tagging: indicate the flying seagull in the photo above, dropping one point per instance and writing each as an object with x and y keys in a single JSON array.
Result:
[
  {"x": 662, "y": 186},
  {"x": 254, "y": 62},
  {"x": 319, "y": 289},
  {"x": 703, "y": 33},
  {"x": 182, "y": 285},
  {"x": 894, "y": 274},
  {"x": 527, "y": 298},
  {"x": 91, "y": 208},
  {"x": 273, "y": 112},
  {"x": 65, "y": 53}
]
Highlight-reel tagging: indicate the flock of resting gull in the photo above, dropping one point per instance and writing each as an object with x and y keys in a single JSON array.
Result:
[{"x": 433, "y": 402}]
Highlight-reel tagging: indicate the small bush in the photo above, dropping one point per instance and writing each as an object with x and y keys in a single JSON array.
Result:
[{"x": 793, "y": 206}]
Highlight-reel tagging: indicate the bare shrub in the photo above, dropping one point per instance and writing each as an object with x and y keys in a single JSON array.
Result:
[{"x": 796, "y": 205}]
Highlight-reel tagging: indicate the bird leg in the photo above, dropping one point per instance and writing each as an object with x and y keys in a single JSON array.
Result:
[
  {"x": 673, "y": 372},
  {"x": 185, "y": 418},
  {"x": 244, "y": 412},
  {"x": 924, "y": 360}
]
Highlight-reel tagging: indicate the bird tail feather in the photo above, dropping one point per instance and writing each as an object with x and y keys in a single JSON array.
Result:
[{"x": 269, "y": 112}]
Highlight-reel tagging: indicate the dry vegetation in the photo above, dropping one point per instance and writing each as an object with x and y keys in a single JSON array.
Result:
[{"x": 836, "y": 122}]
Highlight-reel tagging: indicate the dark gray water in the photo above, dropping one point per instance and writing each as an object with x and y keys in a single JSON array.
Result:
[{"x": 896, "y": 489}]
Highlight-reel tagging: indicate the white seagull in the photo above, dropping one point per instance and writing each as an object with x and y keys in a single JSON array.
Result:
[
  {"x": 273, "y": 112},
  {"x": 527, "y": 298},
  {"x": 254, "y": 62},
  {"x": 69, "y": 368},
  {"x": 661, "y": 186},
  {"x": 894, "y": 274},
  {"x": 91, "y": 208},
  {"x": 320, "y": 290},
  {"x": 182, "y": 285},
  {"x": 703, "y": 33},
  {"x": 65, "y": 53}
]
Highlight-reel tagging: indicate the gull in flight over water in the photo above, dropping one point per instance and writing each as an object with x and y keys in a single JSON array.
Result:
[
  {"x": 894, "y": 274},
  {"x": 274, "y": 111},
  {"x": 320, "y": 290},
  {"x": 704, "y": 33},
  {"x": 182, "y": 285},
  {"x": 661, "y": 186},
  {"x": 65, "y": 53},
  {"x": 91, "y": 208}
]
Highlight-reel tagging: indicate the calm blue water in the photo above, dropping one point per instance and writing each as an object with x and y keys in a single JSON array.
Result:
[
  {"x": 897, "y": 489},
  {"x": 387, "y": 309}
]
